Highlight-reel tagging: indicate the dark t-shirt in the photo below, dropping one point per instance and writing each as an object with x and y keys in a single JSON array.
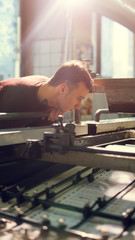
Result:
[{"x": 20, "y": 95}]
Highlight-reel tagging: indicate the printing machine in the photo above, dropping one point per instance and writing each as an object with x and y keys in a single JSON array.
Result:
[{"x": 71, "y": 181}]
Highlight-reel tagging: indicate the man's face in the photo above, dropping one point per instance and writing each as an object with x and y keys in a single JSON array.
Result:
[{"x": 71, "y": 99}]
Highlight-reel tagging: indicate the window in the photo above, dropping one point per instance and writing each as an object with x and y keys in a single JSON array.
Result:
[
  {"x": 9, "y": 39},
  {"x": 117, "y": 52},
  {"x": 46, "y": 56}
]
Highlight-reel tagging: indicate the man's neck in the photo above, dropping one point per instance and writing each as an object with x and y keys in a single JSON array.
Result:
[{"x": 47, "y": 95}]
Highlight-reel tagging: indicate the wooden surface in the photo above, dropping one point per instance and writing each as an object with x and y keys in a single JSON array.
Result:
[{"x": 120, "y": 93}]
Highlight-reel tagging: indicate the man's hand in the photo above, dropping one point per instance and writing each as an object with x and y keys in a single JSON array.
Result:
[{"x": 54, "y": 114}]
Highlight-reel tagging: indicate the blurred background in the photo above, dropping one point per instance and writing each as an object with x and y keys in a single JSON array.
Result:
[{"x": 37, "y": 36}]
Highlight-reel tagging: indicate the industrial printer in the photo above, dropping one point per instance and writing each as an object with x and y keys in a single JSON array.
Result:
[{"x": 71, "y": 181}]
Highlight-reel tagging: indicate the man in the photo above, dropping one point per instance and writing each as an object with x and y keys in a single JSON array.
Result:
[{"x": 61, "y": 93}]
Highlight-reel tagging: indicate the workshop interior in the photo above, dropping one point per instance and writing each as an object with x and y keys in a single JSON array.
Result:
[{"x": 75, "y": 179}]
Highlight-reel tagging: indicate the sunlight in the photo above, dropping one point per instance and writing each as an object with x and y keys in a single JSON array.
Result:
[
  {"x": 70, "y": 4},
  {"x": 120, "y": 50},
  {"x": 122, "y": 177},
  {"x": 109, "y": 228},
  {"x": 41, "y": 21},
  {"x": 117, "y": 180}
]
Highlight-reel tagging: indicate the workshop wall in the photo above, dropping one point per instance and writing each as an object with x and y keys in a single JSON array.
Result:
[{"x": 52, "y": 35}]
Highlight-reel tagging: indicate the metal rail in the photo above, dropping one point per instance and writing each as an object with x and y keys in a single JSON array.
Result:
[{"x": 23, "y": 115}]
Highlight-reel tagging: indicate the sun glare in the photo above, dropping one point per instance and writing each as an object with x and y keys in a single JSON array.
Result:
[{"x": 70, "y": 4}]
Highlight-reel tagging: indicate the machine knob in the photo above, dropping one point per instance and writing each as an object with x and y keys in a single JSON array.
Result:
[{"x": 60, "y": 119}]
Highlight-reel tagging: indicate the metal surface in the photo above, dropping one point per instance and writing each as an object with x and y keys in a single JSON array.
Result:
[
  {"x": 77, "y": 116},
  {"x": 23, "y": 115},
  {"x": 105, "y": 138},
  {"x": 96, "y": 160},
  {"x": 17, "y": 136},
  {"x": 81, "y": 197},
  {"x": 21, "y": 135},
  {"x": 106, "y": 189},
  {"x": 99, "y": 112},
  {"x": 112, "y": 125},
  {"x": 103, "y": 158},
  {"x": 80, "y": 153}
]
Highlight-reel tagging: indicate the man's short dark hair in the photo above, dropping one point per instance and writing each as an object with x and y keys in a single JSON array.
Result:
[{"x": 72, "y": 73}]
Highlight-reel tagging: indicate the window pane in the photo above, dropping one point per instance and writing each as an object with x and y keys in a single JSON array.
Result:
[
  {"x": 9, "y": 13},
  {"x": 117, "y": 58}
]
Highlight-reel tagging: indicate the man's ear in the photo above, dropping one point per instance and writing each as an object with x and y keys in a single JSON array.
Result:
[{"x": 62, "y": 88}]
